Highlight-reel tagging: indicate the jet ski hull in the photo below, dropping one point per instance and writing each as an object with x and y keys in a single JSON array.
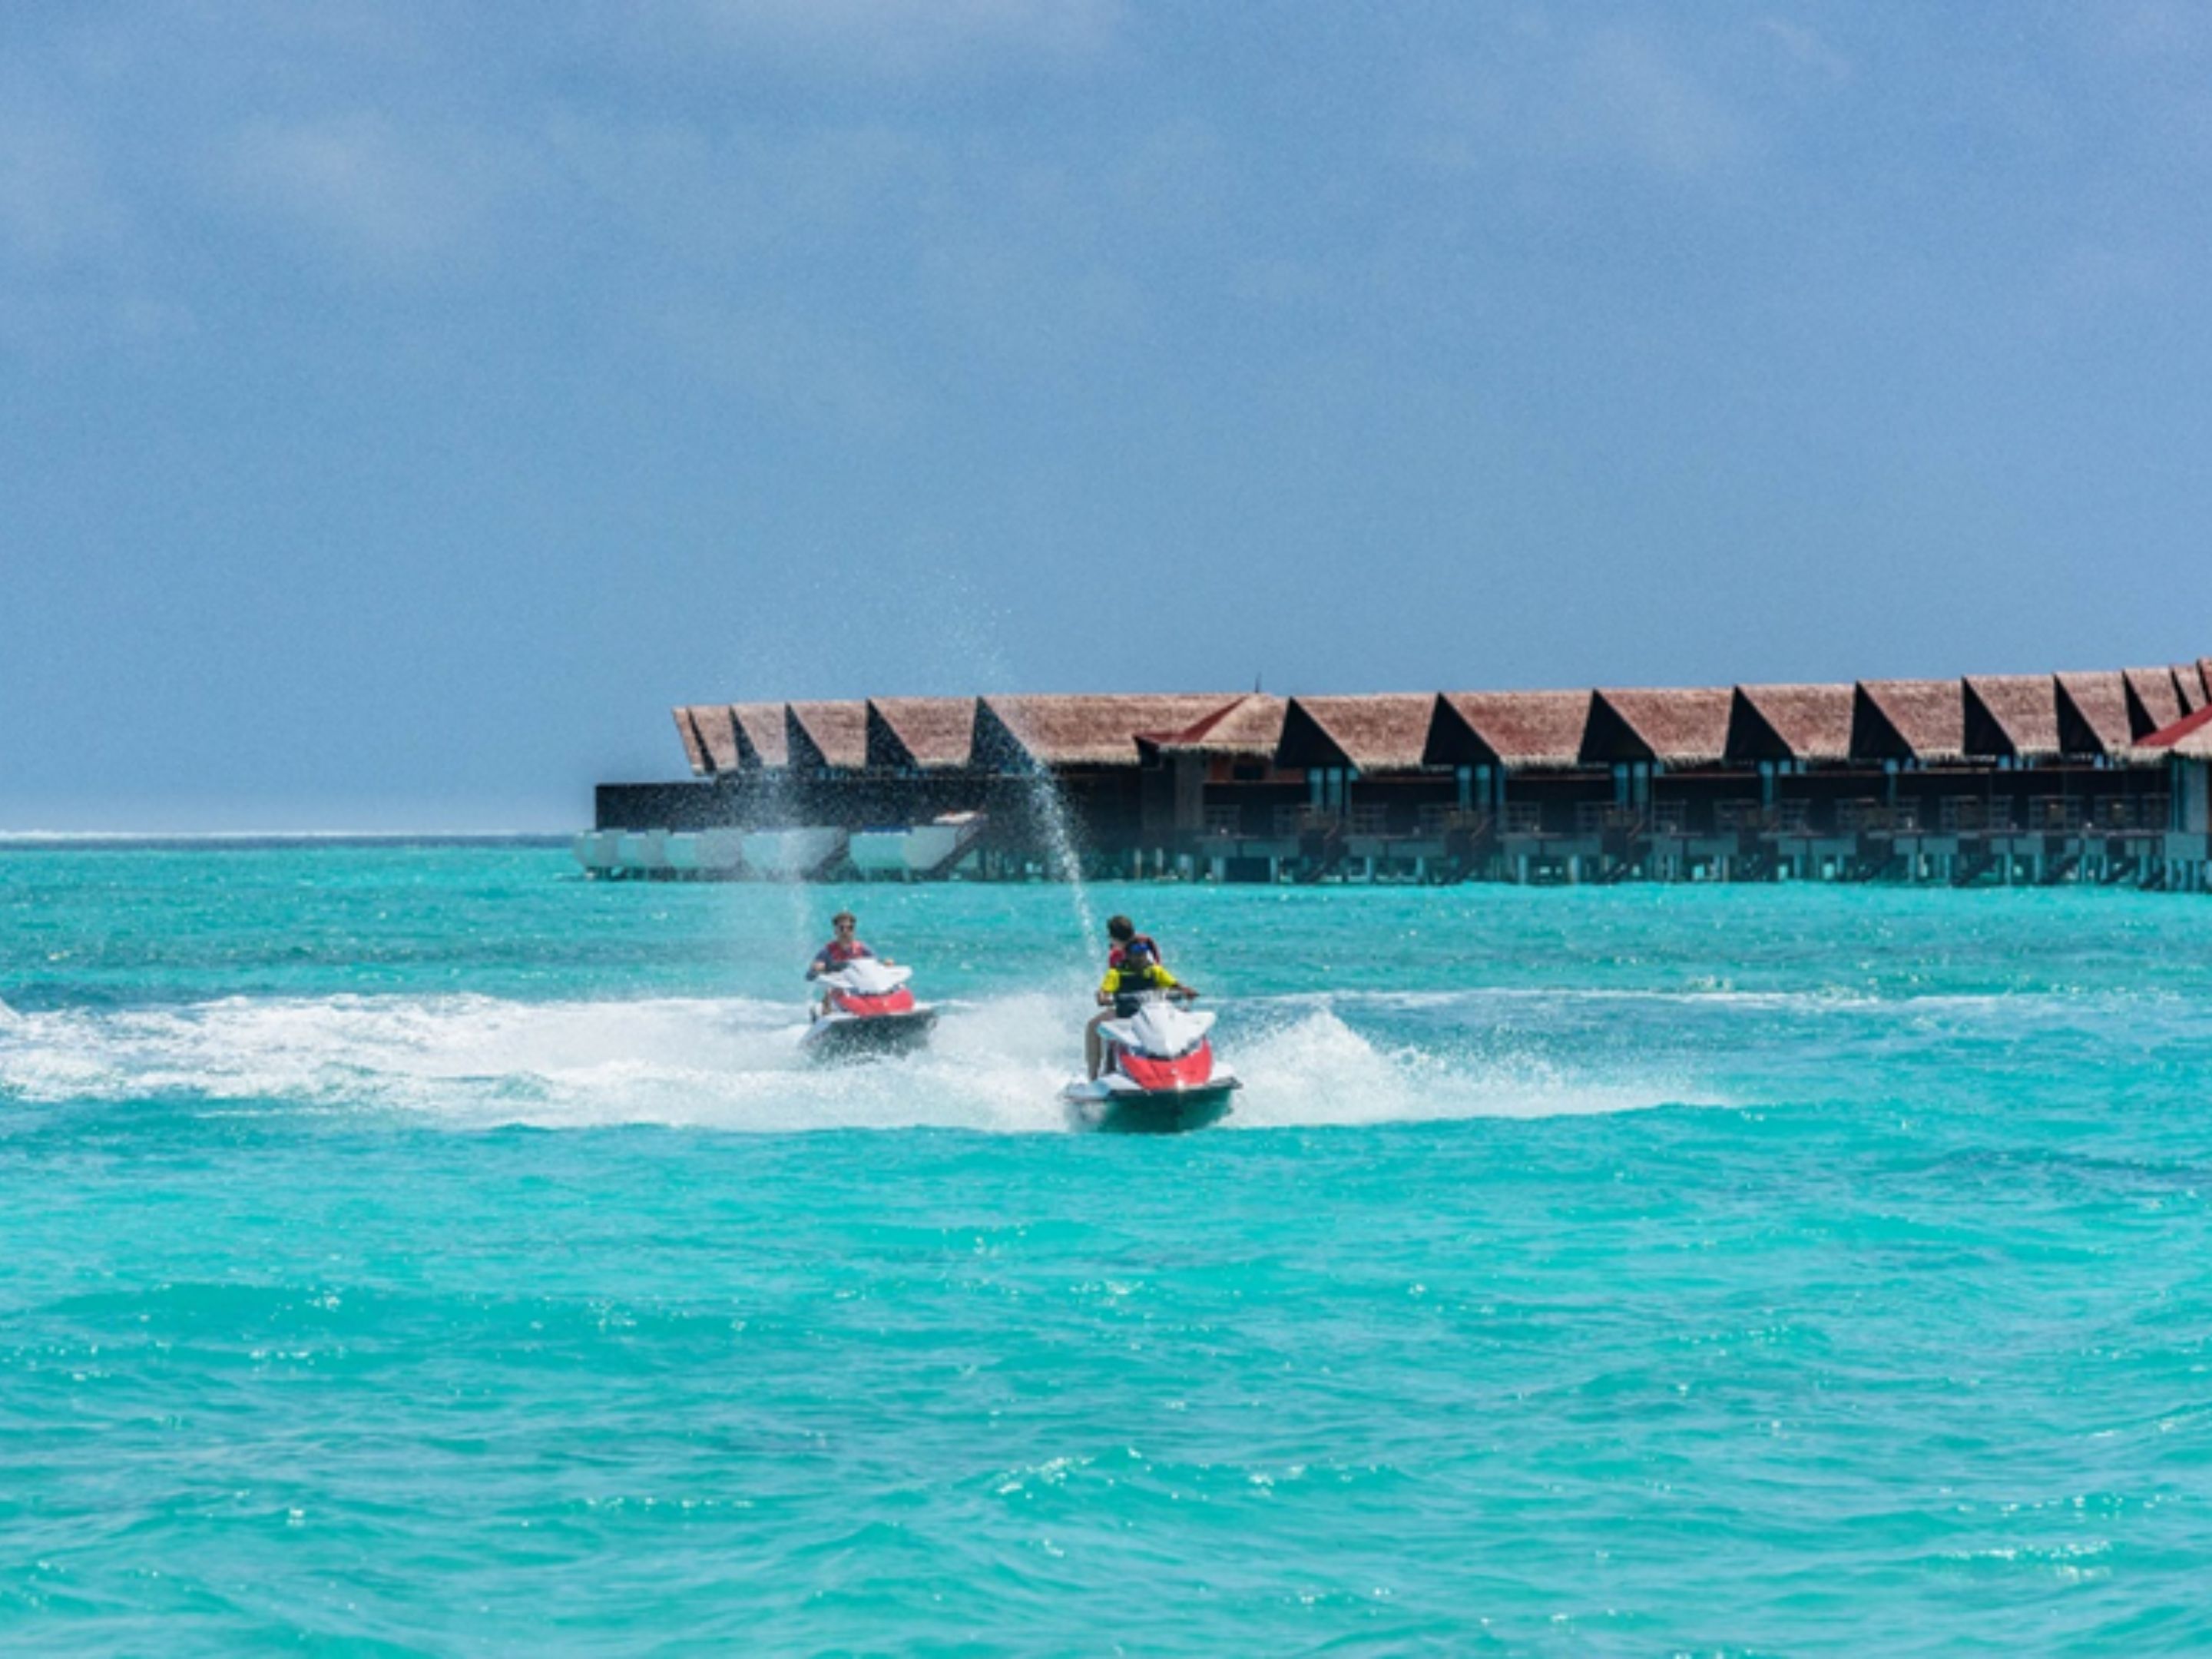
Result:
[
  {"x": 848, "y": 1036},
  {"x": 1149, "y": 1111}
]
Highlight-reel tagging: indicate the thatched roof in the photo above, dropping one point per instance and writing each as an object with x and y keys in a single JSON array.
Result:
[
  {"x": 1520, "y": 731},
  {"x": 1079, "y": 731},
  {"x": 2092, "y": 713},
  {"x": 2154, "y": 700},
  {"x": 695, "y": 746},
  {"x": 718, "y": 736},
  {"x": 1686, "y": 725},
  {"x": 1249, "y": 729},
  {"x": 711, "y": 738},
  {"x": 1910, "y": 719},
  {"x": 927, "y": 733},
  {"x": 1384, "y": 733},
  {"x": 762, "y": 737},
  {"x": 2028, "y": 717},
  {"x": 2015, "y": 715},
  {"x": 824, "y": 734},
  {"x": 1803, "y": 723},
  {"x": 2190, "y": 685}
]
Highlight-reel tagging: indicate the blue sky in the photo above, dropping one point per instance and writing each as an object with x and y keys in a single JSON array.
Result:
[{"x": 401, "y": 406}]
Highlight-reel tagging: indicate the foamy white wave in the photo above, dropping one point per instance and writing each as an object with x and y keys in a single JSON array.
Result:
[
  {"x": 1317, "y": 1070},
  {"x": 475, "y": 1061},
  {"x": 1710, "y": 994}
]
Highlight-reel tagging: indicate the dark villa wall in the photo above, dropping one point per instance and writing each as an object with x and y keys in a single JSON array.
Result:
[
  {"x": 699, "y": 805},
  {"x": 1414, "y": 826},
  {"x": 1116, "y": 814}
]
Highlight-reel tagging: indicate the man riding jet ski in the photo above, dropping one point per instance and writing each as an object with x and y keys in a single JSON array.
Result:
[
  {"x": 1152, "y": 1063},
  {"x": 866, "y": 1007}
]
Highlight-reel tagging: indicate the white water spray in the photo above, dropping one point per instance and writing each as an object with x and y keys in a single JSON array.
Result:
[{"x": 471, "y": 1062}]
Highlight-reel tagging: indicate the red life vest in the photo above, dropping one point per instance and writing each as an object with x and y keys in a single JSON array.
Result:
[
  {"x": 837, "y": 953},
  {"x": 1114, "y": 956}
]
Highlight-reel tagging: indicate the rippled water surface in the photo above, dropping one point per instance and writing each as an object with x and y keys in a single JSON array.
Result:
[{"x": 420, "y": 1249}]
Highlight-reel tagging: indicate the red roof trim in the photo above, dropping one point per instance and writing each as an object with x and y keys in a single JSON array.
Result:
[
  {"x": 1195, "y": 731},
  {"x": 2167, "y": 736}
]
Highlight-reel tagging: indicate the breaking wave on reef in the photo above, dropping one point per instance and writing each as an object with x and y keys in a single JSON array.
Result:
[{"x": 475, "y": 1061}]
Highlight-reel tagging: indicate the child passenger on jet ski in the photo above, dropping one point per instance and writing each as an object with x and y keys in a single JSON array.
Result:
[
  {"x": 1122, "y": 933},
  {"x": 1137, "y": 971},
  {"x": 843, "y": 947}
]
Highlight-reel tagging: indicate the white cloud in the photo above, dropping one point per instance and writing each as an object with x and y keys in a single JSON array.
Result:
[
  {"x": 403, "y": 200},
  {"x": 1546, "y": 96},
  {"x": 73, "y": 270},
  {"x": 2165, "y": 30},
  {"x": 1627, "y": 93},
  {"x": 55, "y": 201},
  {"x": 714, "y": 194},
  {"x": 917, "y": 238},
  {"x": 1807, "y": 46}
]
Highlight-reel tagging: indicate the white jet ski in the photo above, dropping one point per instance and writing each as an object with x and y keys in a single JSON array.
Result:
[
  {"x": 1159, "y": 1075},
  {"x": 868, "y": 1010}
]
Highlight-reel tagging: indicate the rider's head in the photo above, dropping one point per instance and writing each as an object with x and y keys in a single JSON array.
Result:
[
  {"x": 844, "y": 921},
  {"x": 1138, "y": 954},
  {"x": 1121, "y": 929}
]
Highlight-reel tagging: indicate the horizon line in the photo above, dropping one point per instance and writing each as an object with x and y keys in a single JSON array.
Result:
[{"x": 20, "y": 837}]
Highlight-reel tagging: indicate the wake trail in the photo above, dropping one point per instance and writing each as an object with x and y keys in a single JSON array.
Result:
[{"x": 471, "y": 1062}]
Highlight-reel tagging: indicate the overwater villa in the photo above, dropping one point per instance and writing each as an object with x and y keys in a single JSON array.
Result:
[{"x": 2097, "y": 777}]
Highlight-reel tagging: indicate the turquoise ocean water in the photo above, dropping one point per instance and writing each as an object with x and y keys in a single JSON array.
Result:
[{"x": 420, "y": 1249}]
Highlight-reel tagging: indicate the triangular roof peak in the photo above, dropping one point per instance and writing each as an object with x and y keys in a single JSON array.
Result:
[
  {"x": 923, "y": 733},
  {"x": 694, "y": 745},
  {"x": 828, "y": 734},
  {"x": 2188, "y": 682},
  {"x": 1386, "y": 731},
  {"x": 2154, "y": 700},
  {"x": 1251, "y": 727},
  {"x": 1016, "y": 732},
  {"x": 2012, "y": 715},
  {"x": 763, "y": 742},
  {"x": 1806, "y": 724},
  {"x": 1923, "y": 721},
  {"x": 1520, "y": 731},
  {"x": 1676, "y": 726},
  {"x": 2092, "y": 713}
]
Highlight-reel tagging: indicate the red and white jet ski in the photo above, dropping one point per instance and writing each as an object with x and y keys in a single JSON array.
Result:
[
  {"x": 1159, "y": 1075},
  {"x": 868, "y": 1009}
]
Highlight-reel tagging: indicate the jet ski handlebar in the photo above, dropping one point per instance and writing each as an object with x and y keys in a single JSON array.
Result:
[{"x": 1127, "y": 1003}]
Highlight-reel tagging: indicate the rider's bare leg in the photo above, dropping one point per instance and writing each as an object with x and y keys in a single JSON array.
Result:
[{"x": 1094, "y": 1046}]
